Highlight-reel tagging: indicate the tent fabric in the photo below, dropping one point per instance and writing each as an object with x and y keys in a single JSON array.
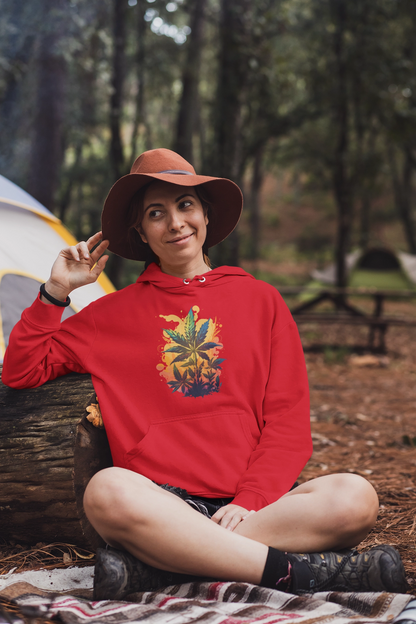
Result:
[
  {"x": 11, "y": 194},
  {"x": 17, "y": 292},
  {"x": 408, "y": 262},
  {"x": 31, "y": 238},
  {"x": 389, "y": 269},
  {"x": 329, "y": 275}
]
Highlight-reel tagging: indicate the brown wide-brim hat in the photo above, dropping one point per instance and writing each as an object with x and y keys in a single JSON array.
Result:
[{"x": 224, "y": 197}]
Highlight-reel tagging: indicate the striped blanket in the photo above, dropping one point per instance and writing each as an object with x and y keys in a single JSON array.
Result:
[{"x": 212, "y": 603}]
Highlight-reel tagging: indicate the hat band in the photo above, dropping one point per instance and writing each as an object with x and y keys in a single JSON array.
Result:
[{"x": 177, "y": 171}]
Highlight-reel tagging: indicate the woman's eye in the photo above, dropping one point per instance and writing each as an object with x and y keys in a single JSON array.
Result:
[
  {"x": 154, "y": 213},
  {"x": 185, "y": 204}
]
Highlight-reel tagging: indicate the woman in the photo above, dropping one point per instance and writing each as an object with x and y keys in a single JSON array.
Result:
[{"x": 203, "y": 390}]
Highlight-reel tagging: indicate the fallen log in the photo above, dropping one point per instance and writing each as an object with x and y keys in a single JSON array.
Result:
[{"x": 48, "y": 453}]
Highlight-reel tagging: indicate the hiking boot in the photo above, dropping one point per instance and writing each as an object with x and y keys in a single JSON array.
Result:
[
  {"x": 379, "y": 569},
  {"x": 117, "y": 573}
]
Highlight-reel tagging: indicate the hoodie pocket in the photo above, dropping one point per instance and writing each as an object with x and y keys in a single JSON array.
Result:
[{"x": 203, "y": 453}]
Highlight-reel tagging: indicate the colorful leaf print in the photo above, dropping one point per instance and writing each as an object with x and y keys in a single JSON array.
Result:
[{"x": 193, "y": 347}]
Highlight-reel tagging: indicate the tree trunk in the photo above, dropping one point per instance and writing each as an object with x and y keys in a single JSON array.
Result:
[
  {"x": 116, "y": 263},
  {"x": 65, "y": 199},
  {"x": 47, "y": 153},
  {"x": 48, "y": 453},
  {"x": 255, "y": 218},
  {"x": 341, "y": 183},
  {"x": 232, "y": 78},
  {"x": 140, "y": 118},
  {"x": 117, "y": 80},
  {"x": 186, "y": 122},
  {"x": 9, "y": 104},
  {"x": 365, "y": 220},
  {"x": 402, "y": 187}
]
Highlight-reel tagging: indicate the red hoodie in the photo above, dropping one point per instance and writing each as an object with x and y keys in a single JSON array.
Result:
[{"x": 201, "y": 384}]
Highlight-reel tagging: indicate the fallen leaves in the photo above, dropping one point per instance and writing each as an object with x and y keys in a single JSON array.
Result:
[{"x": 94, "y": 415}]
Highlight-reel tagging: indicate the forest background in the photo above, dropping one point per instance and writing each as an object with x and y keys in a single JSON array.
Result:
[{"x": 309, "y": 105}]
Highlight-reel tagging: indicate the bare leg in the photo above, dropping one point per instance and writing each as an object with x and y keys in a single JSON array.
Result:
[
  {"x": 328, "y": 513},
  {"x": 157, "y": 527}
]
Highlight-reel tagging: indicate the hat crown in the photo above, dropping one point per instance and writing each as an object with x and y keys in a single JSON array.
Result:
[{"x": 161, "y": 161}]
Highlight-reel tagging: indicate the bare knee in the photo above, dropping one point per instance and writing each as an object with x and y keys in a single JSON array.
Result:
[
  {"x": 108, "y": 497},
  {"x": 355, "y": 508}
]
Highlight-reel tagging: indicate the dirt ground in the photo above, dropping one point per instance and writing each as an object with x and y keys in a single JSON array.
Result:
[{"x": 363, "y": 421}]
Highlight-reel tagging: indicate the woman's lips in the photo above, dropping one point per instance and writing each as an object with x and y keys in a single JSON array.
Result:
[{"x": 180, "y": 241}]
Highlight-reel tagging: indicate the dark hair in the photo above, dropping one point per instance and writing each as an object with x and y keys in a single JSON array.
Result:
[
  {"x": 135, "y": 216},
  {"x": 134, "y": 219}
]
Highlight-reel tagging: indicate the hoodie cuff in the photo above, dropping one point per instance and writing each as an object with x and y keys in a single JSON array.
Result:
[
  {"x": 250, "y": 500},
  {"x": 43, "y": 315}
]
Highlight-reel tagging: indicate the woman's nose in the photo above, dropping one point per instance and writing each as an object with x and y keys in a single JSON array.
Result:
[{"x": 176, "y": 221}]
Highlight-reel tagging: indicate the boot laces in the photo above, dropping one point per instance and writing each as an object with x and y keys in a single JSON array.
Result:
[{"x": 338, "y": 569}]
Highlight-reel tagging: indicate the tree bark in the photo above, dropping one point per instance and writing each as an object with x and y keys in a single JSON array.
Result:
[
  {"x": 254, "y": 206},
  {"x": 116, "y": 263},
  {"x": 117, "y": 80},
  {"x": 47, "y": 146},
  {"x": 403, "y": 194},
  {"x": 9, "y": 104},
  {"x": 186, "y": 121},
  {"x": 140, "y": 118},
  {"x": 365, "y": 220},
  {"x": 48, "y": 453},
  {"x": 341, "y": 183},
  {"x": 232, "y": 79}
]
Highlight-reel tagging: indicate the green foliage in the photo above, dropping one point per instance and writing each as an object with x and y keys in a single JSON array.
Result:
[
  {"x": 336, "y": 355},
  {"x": 279, "y": 62}
]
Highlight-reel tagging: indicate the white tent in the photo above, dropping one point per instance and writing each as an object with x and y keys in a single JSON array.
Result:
[
  {"x": 377, "y": 267},
  {"x": 30, "y": 239}
]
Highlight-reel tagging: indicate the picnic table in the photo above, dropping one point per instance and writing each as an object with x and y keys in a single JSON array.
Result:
[{"x": 344, "y": 312}]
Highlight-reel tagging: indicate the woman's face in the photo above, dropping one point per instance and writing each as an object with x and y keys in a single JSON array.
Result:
[{"x": 173, "y": 223}]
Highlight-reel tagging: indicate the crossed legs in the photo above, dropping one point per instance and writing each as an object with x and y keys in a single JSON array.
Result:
[{"x": 129, "y": 511}]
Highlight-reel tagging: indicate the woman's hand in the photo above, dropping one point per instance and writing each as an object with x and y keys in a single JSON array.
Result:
[
  {"x": 76, "y": 266},
  {"x": 230, "y": 516}
]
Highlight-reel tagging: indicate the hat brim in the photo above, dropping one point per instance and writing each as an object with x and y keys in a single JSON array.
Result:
[{"x": 224, "y": 196}]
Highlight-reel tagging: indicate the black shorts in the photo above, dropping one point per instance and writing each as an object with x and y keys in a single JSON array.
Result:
[{"x": 206, "y": 506}]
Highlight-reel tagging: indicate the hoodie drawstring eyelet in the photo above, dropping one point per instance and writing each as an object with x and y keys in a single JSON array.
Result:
[{"x": 200, "y": 279}]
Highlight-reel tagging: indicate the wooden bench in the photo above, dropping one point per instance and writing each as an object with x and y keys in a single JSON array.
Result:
[{"x": 347, "y": 314}]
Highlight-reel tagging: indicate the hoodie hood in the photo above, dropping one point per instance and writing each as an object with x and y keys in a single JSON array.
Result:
[{"x": 211, "y": 279}]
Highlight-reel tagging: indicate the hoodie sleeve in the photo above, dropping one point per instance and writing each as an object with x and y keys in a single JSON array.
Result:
[
  {"x": 42, "y": 348},
  {"x": 285, "y": 444}
]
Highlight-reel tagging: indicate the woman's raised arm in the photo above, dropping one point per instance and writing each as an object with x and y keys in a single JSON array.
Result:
[
  {"x": 38, "y": 348},
  {"x": 76, "y": 266}
]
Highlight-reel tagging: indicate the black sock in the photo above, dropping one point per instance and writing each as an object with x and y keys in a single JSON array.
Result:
[{"x": 276, "y": 571}]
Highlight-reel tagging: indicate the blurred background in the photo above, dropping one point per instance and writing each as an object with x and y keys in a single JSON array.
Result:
[{"x": 309, "y": 105}]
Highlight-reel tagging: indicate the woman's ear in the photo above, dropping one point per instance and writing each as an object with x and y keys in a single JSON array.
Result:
[{"x": 141, "y": 233}]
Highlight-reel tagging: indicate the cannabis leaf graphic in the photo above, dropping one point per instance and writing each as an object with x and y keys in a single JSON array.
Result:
[
  {"x": 191, "y": 346},
  {"x": 199, "y": 377},
  {"x": 181, "y": 383}
]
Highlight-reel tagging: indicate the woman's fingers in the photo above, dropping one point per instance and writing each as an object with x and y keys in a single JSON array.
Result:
[
  {"x": 82, "y": 250},
  {"x": 99, "y": 250},
  {"x": 230, "y": 516},
  {"x": 79, "y": 264},
  {"x": 99, "y": 267}
]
